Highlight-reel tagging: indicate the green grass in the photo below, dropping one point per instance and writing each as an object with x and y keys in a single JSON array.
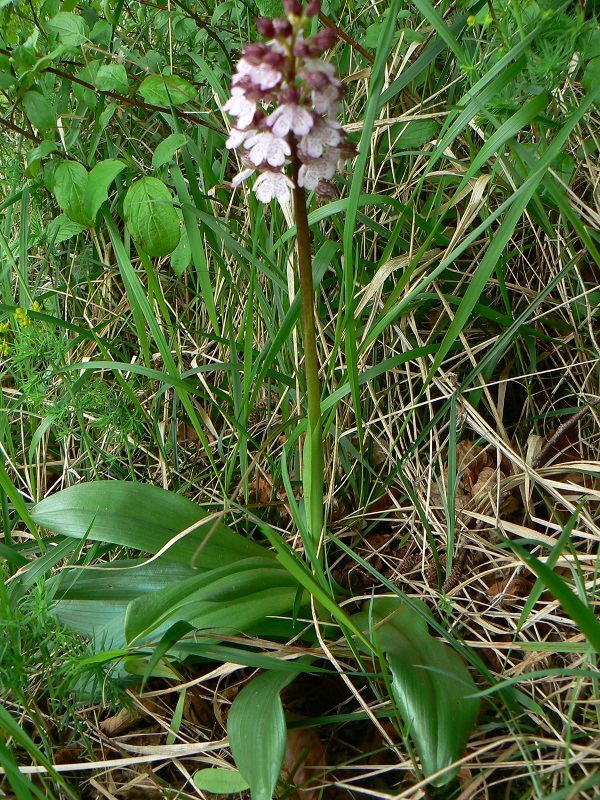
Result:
[{"x": 456, "y": 302}]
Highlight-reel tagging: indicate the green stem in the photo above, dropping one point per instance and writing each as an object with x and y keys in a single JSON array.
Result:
[{"x": 313, "y": 461}]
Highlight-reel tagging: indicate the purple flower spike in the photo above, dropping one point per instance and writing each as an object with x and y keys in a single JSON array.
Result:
[{"x": 284, "y": 99}]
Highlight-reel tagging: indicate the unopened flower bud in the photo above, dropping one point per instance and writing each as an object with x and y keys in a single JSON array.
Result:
[
  {"x": 324, "y": 39},
  {"x": 254, "y": 53},
  {"x": 292, "y": 8},
  {"x": 273, "y": 59},
  {"x": 281, "y": 26},
  {"x": 265, "y": 27},
  {"x": 288, "y": 95},
  {"x": 316, "y": 80},
  {"x": 313, "y": 8},
  {"x": 301, "y": 49},
  {"x": 326, "y": 189}
]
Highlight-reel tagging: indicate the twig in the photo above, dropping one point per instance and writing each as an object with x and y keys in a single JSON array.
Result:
[
  {"x": 544, "y": 453},
  {"x": 329, "y": 23}
]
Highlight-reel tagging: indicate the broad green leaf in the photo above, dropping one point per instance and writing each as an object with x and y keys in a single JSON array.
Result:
[
  {"x": 39, "y": 111},
  {"x": 70, "y": 182},
  {"x": 88, "y": 97},
  {"x": 151, "y": 219},
  {"x": 430, "y": 683},
  {"x": 589, "y": 44},
  {"x": 591, "y": 76},
  {"x": 99, "y": 180},
  {"x": 6, "y": 77},
  {"x": 270, "y": 8},
  {"x": 257, "y": 732},
  {"x": 416, "y": 134},
  {"x": 62, "y": 228},
  {"x": 234, "y": 597},
  {"x": 71, "y": 28},
  {"x": 36, "y": 154},
  {"x": 166, "y": 149},
  {"x": 220, "y": 781},
  {"x": 112, "y": 78},
  {"x": 182, "y": 255},
  {"x": 166, "y": 90},
  {"x": 144, "y": 517}
]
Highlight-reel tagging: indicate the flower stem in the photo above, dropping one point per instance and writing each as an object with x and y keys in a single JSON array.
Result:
[{"x": 313, "y": 461}]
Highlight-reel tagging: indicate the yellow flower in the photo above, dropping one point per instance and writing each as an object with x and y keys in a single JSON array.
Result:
[
  {"x": 3, "y": 327},
  {"x": 21, "y": 317},
  {"x": 3, "y": 348},
  {"x": 37, "y": 306},
  {"x": 471, "y": 19}
]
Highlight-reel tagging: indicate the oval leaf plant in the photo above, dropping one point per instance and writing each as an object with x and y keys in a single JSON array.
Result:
[
  {"x": 166, "y": 90},
  {"x": 257, "y": 732},
  {"x": 70, "y": 183},
  {"x": 145, "y": 517},
  {"x": 151, "y": 219},
  {"x": 430, "y": 683},
  {"x": 220, "y": 781}
]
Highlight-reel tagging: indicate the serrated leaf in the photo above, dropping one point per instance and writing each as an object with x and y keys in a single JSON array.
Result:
[
  {"x": 144, "y": 517},
  {"x": 99, "y": 180},
  {"x": 70, "y": 181},
  {"x": 112, "y": 78},
  {"x": 39, "y": 111},
  {"x": 270, "y": 8},
  {"x": 62, "y": 228},
  {"x": 165, "y": 150},
  {"x": 430, "y": 683},
  {"x": 151, "y": 219},
  {"x": 166, "y": 90},
  {"x": 72, "y": 29},
  {"x": 257, "y": 732},
  {"x": 220, "y": 781}
]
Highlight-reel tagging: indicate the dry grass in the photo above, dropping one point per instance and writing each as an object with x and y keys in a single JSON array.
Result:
[{"x": 387, "y": 495}]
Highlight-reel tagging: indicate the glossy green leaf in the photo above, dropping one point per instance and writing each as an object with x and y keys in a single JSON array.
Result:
[
  {"x": 166, "y": 90},
  {"x": 71, "y": 28},
  {"x": 417, "y": 133},
  {"x": 112, "y": 78},
  {"x": 39, "y": 111},
  {"x": 144, "y": 517},
  {"x": 591, "y": 76},
  {"x": 220, "y": 781},
  {"x": 99, "y": 180},
  {"x": 181, "y": 257},
  {"x": 232, "y": 598},
  {"x": 430, "y": 683},
  {"x": 257, "y": 732},
  {"x": 151, "y": 219},
  {"x": 62, "y": 228},
  {"x": 70, "y": 182},
  {"x": 167, "y": 148}
]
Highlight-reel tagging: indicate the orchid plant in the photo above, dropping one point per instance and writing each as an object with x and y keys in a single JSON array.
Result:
[{"x": 285, "y": 99}]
